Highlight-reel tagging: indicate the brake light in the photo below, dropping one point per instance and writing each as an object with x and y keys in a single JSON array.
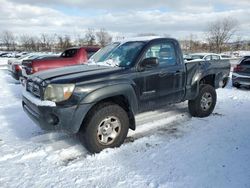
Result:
[
  {"x": 18, "y": 68},
  {"x": 237, "y": 68}
]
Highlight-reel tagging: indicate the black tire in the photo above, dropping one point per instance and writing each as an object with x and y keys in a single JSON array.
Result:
[
  {"x": 196, "y": 107},
  {"x": 225, "y": 82},
  {"x": 89, "y": 133},
  {"x": 236, "y": 85}
]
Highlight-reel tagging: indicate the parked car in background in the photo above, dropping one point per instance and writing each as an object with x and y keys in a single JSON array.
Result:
[
  {"x": 21, "y": 54},
  {"x": 72, "y": 56},
  {"x": 202, "y": 57},
  {"x": 3, "y": 54},
  {"x": 225, "y": 56},
  {"x": 186, "y": 56},
  {"x": 18, "y": 60},
  {"x": 241, "y": 73},
  {"x": 9, "y": 55},
  {"x": 15, "y": 65}
]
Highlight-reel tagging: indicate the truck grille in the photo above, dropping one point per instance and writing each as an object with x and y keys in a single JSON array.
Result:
[{"x": 34, "y": 89}]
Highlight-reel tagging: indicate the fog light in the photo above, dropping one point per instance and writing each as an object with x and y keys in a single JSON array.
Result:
[{"x": 52, "y": 119}]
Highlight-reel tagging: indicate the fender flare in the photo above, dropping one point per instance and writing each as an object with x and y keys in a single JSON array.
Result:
[
  {"x": 122, "y": 89},
  {"x": 125, "y": 90}
]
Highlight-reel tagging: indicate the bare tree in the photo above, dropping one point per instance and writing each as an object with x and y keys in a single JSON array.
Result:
[
  {"x": 43, "y": 41},
  {"x": 67, "y": 41},
  {"x": 46, "y": 42},
  {"x": 103, "y": 37},
  {"x": 119, "y": 38},
  {"x": 8, "y": 40},
  {"x": 24, "y": 42},
  {"x": 34, "y": 43},
  {"x": 190, "y": 44},
  {"x": 79, "y": 40},
  {"x": 237, "y": 44},
  {"x": 220, "y": 32},
  {"x": 29, "y": 43},
  {"x": 90, "y": 37},
  {"x": 60, "y": 42},
  {"x": 64, "y": 42}
]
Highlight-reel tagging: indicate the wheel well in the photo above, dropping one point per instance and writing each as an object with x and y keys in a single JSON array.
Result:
[
  {"x": 209, "y": 79},
  {"x": 119, "y": 100}
]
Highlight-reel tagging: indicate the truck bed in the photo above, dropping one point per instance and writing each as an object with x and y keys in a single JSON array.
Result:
[{"x": 195, "y": 70}]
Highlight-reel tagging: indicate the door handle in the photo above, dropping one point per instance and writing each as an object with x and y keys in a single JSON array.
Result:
[
  {"x": 177, "y": 72},
  {"x": 163, "y": 73}
]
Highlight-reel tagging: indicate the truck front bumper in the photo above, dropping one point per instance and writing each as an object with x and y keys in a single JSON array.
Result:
[{"x": 68, "y": 119}]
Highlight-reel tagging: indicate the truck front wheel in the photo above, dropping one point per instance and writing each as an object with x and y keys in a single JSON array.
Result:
[
  {"x": 106, "y": 127},
  {"x": 203, "y": 105}
]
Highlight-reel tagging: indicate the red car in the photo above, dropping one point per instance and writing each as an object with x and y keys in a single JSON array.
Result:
[
  {"x": 15, "y": 65},
  {"x": 69, "y": 57}
]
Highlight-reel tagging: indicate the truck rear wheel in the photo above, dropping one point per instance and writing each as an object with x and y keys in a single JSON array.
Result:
[
  {"x": 203, "y": 105},
  {"x": 106, "y": 127},
  {"x": 236, "y": 85}
]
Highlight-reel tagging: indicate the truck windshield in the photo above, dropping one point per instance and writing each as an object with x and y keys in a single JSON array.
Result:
[{"x": 117, "y": 54}]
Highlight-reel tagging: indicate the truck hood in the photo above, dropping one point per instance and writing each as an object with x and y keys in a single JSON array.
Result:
[{"x": 78, "y": 73}]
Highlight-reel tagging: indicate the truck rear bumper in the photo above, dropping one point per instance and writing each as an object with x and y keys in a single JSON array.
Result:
[
  {"x": 68, "y": 119},
  {"x": 239, "y": 79}
]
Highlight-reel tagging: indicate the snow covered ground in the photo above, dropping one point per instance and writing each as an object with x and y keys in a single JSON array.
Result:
[
  {"x": 3, "y": 61},
  {"x": 169, "y": 148}
]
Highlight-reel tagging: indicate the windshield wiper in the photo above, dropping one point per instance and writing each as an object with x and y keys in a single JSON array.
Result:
[{"x": 111, "y": 62}]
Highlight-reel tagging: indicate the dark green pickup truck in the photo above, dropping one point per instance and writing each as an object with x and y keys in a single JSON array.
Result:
[{"x": 99, "y": 100}]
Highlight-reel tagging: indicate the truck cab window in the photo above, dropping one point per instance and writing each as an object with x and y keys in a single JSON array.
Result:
[
  {"x": 69, "y": 53},
  {"x": 208, "y": 58},
  {"x": 90, "y": 53},
  {"x": 165, "y": 53},
  {"x": 215, "y": 57}
]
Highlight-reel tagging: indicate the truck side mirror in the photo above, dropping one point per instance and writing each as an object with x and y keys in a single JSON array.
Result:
[{"x": 150, "y": 62}]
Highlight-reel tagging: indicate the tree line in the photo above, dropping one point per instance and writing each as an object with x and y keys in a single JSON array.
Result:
[
  {"x": 219, "y": 36},
  {"x": 52, "y": 42}
]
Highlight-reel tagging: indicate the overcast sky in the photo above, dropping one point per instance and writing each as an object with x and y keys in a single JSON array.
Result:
[{"x": 121, "y": 17}]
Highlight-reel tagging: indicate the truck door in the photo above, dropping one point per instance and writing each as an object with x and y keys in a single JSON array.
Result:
[{"x": 163, "y": 84}]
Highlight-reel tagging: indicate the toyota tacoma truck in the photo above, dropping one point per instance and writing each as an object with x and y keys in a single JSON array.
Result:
[{"x": 99, "y": 100}]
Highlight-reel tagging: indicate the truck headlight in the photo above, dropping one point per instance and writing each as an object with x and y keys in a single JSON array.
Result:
[{"x": 58, "y": 92}]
